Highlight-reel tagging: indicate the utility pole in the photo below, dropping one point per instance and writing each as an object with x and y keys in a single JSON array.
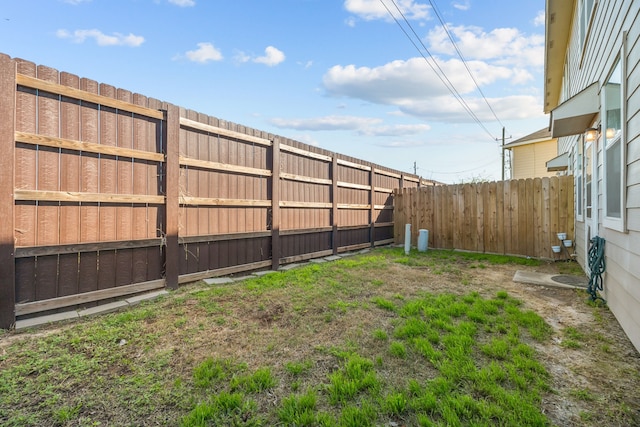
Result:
[
  {"x": 503, "y": 153},
  {"x": 415, "y": 168},
  {"x": 502, "y": 147}
]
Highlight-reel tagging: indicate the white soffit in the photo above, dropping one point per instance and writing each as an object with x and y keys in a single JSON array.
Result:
[
  {"x": 560, "y": 163},
  {"x": 576, "y": 114}
]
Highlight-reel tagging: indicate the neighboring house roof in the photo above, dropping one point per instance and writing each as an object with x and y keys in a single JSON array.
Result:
[{"x": 537, "y": 136}]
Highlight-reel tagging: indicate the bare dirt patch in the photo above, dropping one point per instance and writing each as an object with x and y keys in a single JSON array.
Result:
[{"x": 594, "y": 369}]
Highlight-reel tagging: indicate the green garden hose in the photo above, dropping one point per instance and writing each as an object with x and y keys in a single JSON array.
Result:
[{"x": 597, "y": 267}]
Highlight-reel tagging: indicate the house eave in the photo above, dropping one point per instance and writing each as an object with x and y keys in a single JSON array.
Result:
[{"x": 558, "y": 19}]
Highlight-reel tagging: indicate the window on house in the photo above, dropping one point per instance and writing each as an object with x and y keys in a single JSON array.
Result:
[
  {"x": 577, "y": 173},
  {"x": 613, "y": 160},
  {"x": 588, "y": 169},
  {"x": 585, "y": 11}
]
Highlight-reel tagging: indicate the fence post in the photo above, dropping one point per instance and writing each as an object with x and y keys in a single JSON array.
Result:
[
  {"x": 372, "y": 211},
  {"x": 172, "y": 202},
  {"x": 334, "y": 204},
  {"x": 7, "y": 145},
  {"x": 275, "y": 204}
]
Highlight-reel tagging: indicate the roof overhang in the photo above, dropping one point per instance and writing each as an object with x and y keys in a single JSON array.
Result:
[
  {"x": 560, "y": 163},
  {"x": 558, "y": 16},
  {"x": 575, "y": 115}
]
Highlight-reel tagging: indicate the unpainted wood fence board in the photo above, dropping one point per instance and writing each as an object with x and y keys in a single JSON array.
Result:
[{"x": 506, "y": 217}]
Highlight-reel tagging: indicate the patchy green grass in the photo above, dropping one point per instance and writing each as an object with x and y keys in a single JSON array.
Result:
[{"x": 348, "y": 343}]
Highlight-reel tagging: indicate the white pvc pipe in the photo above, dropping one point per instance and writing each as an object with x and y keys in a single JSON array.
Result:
[{"x": 407, "y": 238}]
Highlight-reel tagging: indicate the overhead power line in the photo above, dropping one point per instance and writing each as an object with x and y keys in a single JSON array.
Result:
[
  {"x": 439, "y": 72},
  {"x": 464, "y": 61}
]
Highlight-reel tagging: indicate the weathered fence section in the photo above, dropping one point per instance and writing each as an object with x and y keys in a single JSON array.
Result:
[
  {"x": 106, "y": 193},
  {"x": 518, "y": 217}
]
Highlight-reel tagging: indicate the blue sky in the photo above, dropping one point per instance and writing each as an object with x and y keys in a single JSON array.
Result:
[{"x": 337, "y": 74}]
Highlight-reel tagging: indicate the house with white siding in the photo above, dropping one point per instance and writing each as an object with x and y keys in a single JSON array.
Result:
[
  {"x": 529, "y": 155},
  {"x": 592, "y": 92}
]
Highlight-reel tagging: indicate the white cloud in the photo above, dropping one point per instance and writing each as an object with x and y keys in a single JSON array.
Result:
[
  {"x": 76, "y": 2},
  {"x": 325, "y": 123},
  {"x": 395, "y": 130},
  {"x": 116, "y": 39},
  {"x": 401, "y": 144},
  {"x": 272, "y": 56},
  {"x": 539, "y": 20},
  {"x": 370, "y": 10},
  {"x": 401, "y": 82},
  {"x": 206, "y": 52},
  {"x": 508, "y": 45},
  {"x": 183, "y": 3},
  {"x": 413, "y": 88},
  {"x": 465, "y": 5},
  {"x": 447, "y": 108}
]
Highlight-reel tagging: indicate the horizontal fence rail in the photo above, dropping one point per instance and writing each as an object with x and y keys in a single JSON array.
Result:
[
  {"x": 106, "y": 193},
  {"x": 517, "y": 217}
]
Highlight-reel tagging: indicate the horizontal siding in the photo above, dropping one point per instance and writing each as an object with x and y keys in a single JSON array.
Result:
[
  {"x": 605, "y": 41},
  {"x": 580, "y": 244},
  {"x": 624, "y": 308},
  {"x": 529, "y": 161}
]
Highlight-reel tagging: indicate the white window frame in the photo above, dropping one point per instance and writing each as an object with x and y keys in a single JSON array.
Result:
[
  {"x": 578, "y": 178},
  {"x": 586, "y": 12},
  {"x": 614, "y": 222}
]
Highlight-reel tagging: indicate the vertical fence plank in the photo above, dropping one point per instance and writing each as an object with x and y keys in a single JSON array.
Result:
[
  {"x": 25, "y": 163},
  {"x": 7, "y": 145},
  {"x": 48, "y": 213},
  {"x": 275, "y": 204},
  {"x": 89, "y": 182},
  {"x": 108, "y": 169},
  {"x": 334, "y": 204},
  {"x": 529, "y": 220},
  {"x": 171, "y": 140},
  {"x": 508, "y": 218},
  {"x": 480, "y": 216},
  {"x": 124, "y": 185},
  {"x": 554, "y": 214},
  {"x": 536, "y": 197},
  {"x": 523, "y": 243},
  {"x": 372, "y": 202},
  {"x": 546, "y": 218},
  {"x": 69, "y": 181},
  {"x": 140, "y": 179}
]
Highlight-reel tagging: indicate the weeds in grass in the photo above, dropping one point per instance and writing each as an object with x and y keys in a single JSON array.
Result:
[
  {"x": 475, "y": 364},
  {"x": 398, "y": 349}
]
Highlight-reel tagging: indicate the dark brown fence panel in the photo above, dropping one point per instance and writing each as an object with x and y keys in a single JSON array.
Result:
[
  {"x": 508, "y": 217},
  {"x": 113, "y": 193}
]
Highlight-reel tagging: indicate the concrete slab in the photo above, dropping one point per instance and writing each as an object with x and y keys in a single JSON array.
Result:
[
  {"x": 289, "y": 267},
  {"x": 264, "y": 273},
  {"x": 145, "y": 297},
  {"x": 332, "y": 258},
  {"x": 43, "y": 320},
  {"x": 218, "y": 281},
  {"x": 103, "y": 309},
  {"x": 346, "y": 254},
  {"x": 364, "y": 251},
  {"x": 552, "y": 280},
  {"x": 318, "y": 260}
]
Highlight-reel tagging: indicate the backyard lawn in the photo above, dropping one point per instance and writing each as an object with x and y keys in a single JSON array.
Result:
[{"x": 375, "y": 339}]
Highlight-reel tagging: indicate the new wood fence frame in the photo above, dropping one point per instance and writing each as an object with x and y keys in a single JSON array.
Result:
[
  {"x": 106, "y": 193},
  {"x": 517, "y": 217}
]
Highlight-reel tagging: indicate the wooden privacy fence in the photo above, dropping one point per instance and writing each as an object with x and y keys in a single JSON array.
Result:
[
  {"x": 518, "y": 217},
  {"x": 105, "y": 193}
]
